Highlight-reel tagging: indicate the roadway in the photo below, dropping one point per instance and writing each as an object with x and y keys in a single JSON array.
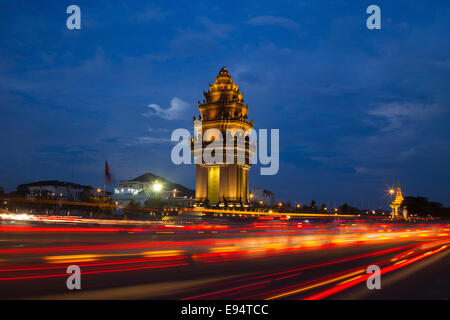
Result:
[{"x": 224, "y": 259}]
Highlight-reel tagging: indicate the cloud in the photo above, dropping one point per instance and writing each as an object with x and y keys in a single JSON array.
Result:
[
  {"x": 408, "y": 153},
  {"x": 175, "y": 111},
  {"x": 362, "y": 170},
  {"x": 152, "y": 140},
  {"x": 158, "y": 130},
  {"x": 215, "y": 29},
  {"x": 303, "y": 4},
  {"x": 205, "y": 37},
  {"x": 397, "y": 114},
  {"x": 273, "y": 21},
  {"x": 150, "y": 14}
]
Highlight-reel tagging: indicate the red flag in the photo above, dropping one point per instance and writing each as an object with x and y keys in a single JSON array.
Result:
[{"x": 107, "y": 174}]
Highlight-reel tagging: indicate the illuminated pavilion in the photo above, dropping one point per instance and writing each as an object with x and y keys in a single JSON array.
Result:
[
  {"x": 223, "y": 184},
  {"x": 395, "y": 205}
]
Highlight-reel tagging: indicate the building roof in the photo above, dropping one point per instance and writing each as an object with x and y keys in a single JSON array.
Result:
[
  {"x": 166, "y": 184},
  {"x": 54, "y": 183}
]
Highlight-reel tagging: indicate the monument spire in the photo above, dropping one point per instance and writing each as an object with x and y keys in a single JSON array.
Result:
[
  {"x": 395, "y": 205},
  {"x": 222, "y": 183}
]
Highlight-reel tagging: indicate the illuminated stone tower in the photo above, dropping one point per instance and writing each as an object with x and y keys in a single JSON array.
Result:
[
  {"x": 223, "y": 183},
  {"x": 395, "y": 205}
]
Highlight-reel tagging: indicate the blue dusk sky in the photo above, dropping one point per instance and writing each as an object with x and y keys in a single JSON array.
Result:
[{"x": 358, "y": 110}]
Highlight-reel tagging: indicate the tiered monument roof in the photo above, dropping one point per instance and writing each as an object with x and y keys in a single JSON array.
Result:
[
  {"x": 398, "y": 197},
  {"x": 223, "y": 101}
]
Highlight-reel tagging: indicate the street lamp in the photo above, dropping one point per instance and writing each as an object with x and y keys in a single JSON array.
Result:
[{"x": 157, "y": 187}]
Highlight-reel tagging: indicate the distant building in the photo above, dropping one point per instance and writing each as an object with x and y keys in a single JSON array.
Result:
[
  {"x": 262, "y": 196},
  {"x": 123, "y": 195},
  {"x": 149, "y": 186},
  {"x": 54, "y": 190}
]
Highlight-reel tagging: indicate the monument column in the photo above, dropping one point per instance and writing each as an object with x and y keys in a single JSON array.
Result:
[{"x": 223, "y": 109}]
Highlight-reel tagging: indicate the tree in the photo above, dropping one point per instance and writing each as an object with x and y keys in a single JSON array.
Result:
[
  {"x": 2, "y": 191},
  {"x": 154, "y": 203},
  {"x": 103, "y": 203},
  {"x": 134, "y": 204},
  {"x": 21, "y": 191},
  {"x": 86, "y": 196},
  {"x": 422, "y": 207},
  {"x": 346, "y": 209},
  {"x": 132, "y": 207}
]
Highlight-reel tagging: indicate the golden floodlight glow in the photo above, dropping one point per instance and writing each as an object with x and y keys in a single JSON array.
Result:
[{"x": 224, "y": 110}]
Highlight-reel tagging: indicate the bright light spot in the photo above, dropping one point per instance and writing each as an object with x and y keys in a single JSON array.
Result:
[{"x": 157, "y": 187}]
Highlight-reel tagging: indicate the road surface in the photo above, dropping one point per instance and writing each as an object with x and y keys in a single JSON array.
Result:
[{"x": 224, "y": 259}]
